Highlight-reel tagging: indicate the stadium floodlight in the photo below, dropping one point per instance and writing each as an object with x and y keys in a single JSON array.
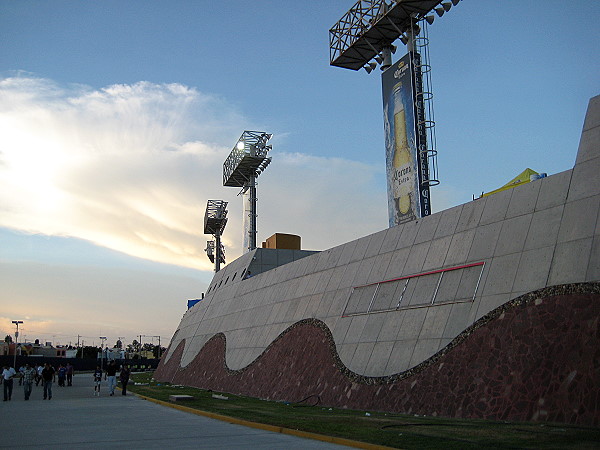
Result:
[
  {"x": 363, "y": 38},
  {"x": 370, "y": 67},
  {"x": 371, "y": 26},
  {"x": 215, "y": 219},
  {"x": 245, "y": 163}
]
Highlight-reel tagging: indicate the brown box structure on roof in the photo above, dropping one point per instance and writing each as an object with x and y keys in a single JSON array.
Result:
[{"x": 283, "y": 241}]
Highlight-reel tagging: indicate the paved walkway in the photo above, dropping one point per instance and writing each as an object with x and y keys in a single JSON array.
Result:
[{"x": 74, "y": 418}]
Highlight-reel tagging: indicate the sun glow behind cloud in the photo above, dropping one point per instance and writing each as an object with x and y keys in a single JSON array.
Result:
[{"x": 130, "y": 167}]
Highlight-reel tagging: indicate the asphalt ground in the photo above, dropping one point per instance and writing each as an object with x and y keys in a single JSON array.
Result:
[{"x": 75, "y": 418}]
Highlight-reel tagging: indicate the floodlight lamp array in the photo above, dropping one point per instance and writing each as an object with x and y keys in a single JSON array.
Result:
[
  {"x": 211, "y": 252},
  {"x": 371, "y": 26},
  {"x": 248, "y": 159},
  {"x": 215, "y": 217}
]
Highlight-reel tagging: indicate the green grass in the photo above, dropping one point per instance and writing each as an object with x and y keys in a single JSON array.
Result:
[{"x": 393, "y": 430}]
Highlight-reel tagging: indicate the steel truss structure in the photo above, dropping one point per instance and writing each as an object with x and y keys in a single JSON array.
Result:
[
  {"x": 370, "y": 26},
  {"x": 248, "y": 159},
  {"x": 215, "y": 219}
]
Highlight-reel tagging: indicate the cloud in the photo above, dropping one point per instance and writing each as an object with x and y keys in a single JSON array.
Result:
[{"x": 130, "y": 167}]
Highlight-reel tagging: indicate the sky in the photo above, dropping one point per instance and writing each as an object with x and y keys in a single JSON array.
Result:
[{"x": 116, "y": 118}]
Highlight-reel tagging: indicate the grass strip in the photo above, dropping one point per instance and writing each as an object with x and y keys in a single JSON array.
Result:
[{"x": 370, "y": 427}]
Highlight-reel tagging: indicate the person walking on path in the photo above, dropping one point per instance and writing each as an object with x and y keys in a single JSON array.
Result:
[
  {"x": 97, "y": 381},
  {"x": 62, "y": 375},
  {"x": 124, "y": 377},
  {"x": 48, "y": 376},
  {"x": 38, "y": 378},
  {"x": 111, "y": 376},
  {"x": 21, "y": 370},
  {"x": 28, "y": 377},
  {"x": 70, "y": 372},
  {"x": 7, "y": 378}
]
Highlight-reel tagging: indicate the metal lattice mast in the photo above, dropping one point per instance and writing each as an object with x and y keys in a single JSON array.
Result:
[
  {"x": 245, "y": 163},
  {"x": 215, "y": 219}
]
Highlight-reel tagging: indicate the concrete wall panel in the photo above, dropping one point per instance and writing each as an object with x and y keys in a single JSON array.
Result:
[
  {"x": 534, "y": 268},
  {"x": 379, "y": 357},
  {"x": 391, "y": 326},
  {"x": 582, "y": 183},
  {"x": 570, "y": 261},
  {"x": 357, "y": 324},
  {"x": 391, "y": 239},
  {"x": 523, "y": 200},
  {"x": 361, "y": 357},
  {"x": 375, "y": 243},
  {"x": 496, "y": 207},
  {"x": 579, "y": 219},
  {"x": 470, "y": 215},
  {"x": 427, "y": 228},
  {"x": 412, "y": 323},
  {"x": 360, "y": 249},
  {"x": 459, "y": 249},
  {"x": 544, "y": 228},
  {"x": 400, "y": 356},
  {"x": 397, "y": 262},
  {"x": 371, "y": 330},
  {"x": 485, "y": 241},
  {"x": 513, "y": 234},
  {"x": 501, "y": 274},
  {"x": 416, "y": 259},
  {"x": 424, "y": 348},
  {"x": 448, "y": 222},
  {"x": 435, "y": 322},
  {"x": 437, "y": 253},
  {"x": 408, "y": 234}
]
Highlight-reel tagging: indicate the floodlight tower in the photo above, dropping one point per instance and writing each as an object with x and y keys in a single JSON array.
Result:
[
  {"x": 245, "y": 163},
  {"x": 363, "y": 38},
  {"x": 215, "y": 219}
]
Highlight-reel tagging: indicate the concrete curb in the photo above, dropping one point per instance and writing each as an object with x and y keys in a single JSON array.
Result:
[{"x": 273, "y": 428}]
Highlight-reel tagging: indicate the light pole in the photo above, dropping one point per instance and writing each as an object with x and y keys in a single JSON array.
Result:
[
  {"x": 158, "y": 345},
  {"x": 16, "y": 322},
  {"x": 102, "y": 338}
]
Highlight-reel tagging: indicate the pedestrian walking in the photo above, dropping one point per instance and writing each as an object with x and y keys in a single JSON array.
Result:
[
  {"x": 124, "y": 377},
  {"x": 21, "y": 370},
  {"x": 111, "y": 376},
  {"x": 38, "y": 377},
  {"x": 48, "y": 376},
  {"x": 28, "y": 377},
  {"x": 8, "y": 373},
  {"x": 70, "y": 373},
  {"x": 62, "y": 375},
  {"x": 97, "y": 381}
]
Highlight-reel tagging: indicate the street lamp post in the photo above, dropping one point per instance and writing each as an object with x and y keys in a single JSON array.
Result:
[
  {"x": 102, "y": 338},
  {"x": 159, "y": 349},
  {"x": 16, "y": 322}
]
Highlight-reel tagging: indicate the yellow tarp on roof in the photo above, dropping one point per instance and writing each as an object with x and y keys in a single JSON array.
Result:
[{"x": 522, "y": 178}]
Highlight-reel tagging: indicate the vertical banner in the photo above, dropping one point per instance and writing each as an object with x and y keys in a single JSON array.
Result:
[{"x": 405, "y": 141}]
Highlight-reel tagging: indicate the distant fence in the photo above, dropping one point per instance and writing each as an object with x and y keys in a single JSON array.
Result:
[{"x": 79, "y": 364}]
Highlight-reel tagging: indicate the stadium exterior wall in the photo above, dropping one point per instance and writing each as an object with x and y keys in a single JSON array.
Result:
[{"x": 539, "y": 242}]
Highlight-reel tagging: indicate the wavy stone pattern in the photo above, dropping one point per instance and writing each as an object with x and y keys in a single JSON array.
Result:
[{"x": 535, "y": 358}]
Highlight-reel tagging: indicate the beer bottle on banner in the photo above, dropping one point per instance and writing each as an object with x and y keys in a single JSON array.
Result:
[{"x": 402, "y": 160}]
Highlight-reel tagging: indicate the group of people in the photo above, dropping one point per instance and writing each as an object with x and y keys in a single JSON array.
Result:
[
  {"x": 110, "y": 375},
  {"x": 27, "y": 375},
  {"x": 46, "y": 374}
]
